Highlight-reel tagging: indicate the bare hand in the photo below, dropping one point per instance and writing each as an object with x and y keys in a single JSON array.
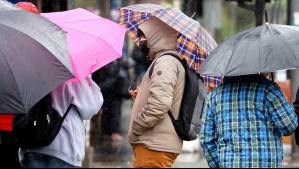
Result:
[{"x": 134, "y": 93}]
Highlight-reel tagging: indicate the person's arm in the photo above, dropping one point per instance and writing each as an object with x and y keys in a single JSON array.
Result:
[
  {"x": 208, "y": 139},
  {"x": 281, "y": 112},
  {"x": 161, "y": 94},
  {"x": 87, "y": 97}
]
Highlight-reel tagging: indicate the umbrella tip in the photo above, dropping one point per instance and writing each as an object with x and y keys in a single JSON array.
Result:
[
  {"x": 193, "y": 15},
  {"x": 266, "y": 17}
]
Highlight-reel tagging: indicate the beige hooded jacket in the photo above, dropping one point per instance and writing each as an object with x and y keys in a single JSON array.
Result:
[{"x": 150, "y": 124}]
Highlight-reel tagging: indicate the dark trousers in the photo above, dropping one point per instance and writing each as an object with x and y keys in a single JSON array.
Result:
[
  {"x": 111, "y": 114},
  {"x": 8, "y": 150}
]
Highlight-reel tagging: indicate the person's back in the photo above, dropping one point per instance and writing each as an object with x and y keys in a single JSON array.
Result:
[
  {"x": 68, "y": 148},
  {"x": 243, "y": 123}
]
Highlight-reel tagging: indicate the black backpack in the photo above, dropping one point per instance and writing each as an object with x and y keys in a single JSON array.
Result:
[
  {"x": 188, "y": 124},
  {"x": 39, "y": 127}
]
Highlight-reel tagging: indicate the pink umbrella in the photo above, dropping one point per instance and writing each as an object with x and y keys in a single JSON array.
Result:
[{"x": 92, "y": 41}]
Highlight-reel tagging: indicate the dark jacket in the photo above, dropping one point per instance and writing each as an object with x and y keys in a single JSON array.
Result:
[
  {"x": 296, "y": 107},
  {"x": 106, "y": 77}
]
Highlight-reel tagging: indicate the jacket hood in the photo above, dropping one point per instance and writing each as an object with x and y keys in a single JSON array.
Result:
[
  {"x": 28, "y": 6},
  {"x": 160, "y": 37}
]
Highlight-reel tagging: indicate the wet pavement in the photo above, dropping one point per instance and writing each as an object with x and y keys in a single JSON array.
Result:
[
  {"x": 185, "y": 160},
  {"x": 108, "y": 154}
]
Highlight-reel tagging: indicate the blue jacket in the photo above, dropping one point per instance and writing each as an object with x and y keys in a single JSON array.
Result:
[{"x": 243, "y": 123}]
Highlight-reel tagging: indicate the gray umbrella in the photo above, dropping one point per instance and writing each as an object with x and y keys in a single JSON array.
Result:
[
  {"x": 33, "y": 58},
  {"x": 266, "y": 48}
]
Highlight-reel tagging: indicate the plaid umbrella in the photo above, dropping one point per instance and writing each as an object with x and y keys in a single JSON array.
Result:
[{"x": 194, "y": 45}]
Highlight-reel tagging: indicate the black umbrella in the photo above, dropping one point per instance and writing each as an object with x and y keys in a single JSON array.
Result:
[
  {"x": 266, "y": 48},
  {"x": 33, "y": 58}
]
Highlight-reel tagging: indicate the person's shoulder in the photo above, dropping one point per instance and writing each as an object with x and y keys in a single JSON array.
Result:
[{"x": 168, "y": 59}]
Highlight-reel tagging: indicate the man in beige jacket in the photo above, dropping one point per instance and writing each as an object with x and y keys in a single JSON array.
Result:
[{"x": 151, "y": 133}]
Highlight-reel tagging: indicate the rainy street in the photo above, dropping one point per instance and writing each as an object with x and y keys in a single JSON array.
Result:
[
  {"x": 81, "y": 81},
  {"x": 107, "y": 156}
]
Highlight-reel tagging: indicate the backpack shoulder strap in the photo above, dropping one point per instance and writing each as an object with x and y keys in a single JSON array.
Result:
[
  {"x": 67, "y": 111},
  {"x": 183, "y": 61},
  {"x": 151, "y": 69}
]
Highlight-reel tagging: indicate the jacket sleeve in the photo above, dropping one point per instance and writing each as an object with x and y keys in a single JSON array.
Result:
[
  {"x": 281, "y": 112},
  {"x": 208, "y": 139},
  {"x": 87, "y": 97},
  {"x": 163, "y": 82}
]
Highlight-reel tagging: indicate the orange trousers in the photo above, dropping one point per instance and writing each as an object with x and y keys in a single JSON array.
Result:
[{"x": 146, "y": 158}]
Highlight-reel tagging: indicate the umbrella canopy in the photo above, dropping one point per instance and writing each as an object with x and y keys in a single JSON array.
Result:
[
  {"x": 33, "y": 58},
  {"x": 92, "y": 41},
  {"x": 194, "y": 45},
  {"x": 265, "y": 48}
]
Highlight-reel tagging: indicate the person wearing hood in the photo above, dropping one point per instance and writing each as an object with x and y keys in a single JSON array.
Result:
[
  {"x": 150, "y": 127},
  {"x": 68, "y": 148}
]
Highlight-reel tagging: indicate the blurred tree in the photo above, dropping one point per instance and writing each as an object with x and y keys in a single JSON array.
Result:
[
  {"x": 189, "y": 7},
  {"x": 257, "y": 6},
  {"x": 85, "y": 3},
  {"x": 228, "y": 25}
]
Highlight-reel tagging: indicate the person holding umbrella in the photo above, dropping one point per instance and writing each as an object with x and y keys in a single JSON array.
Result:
[
  {"x": 243, "y": 122},
  {"x": 8, "y": 148},
  {"x": 150, "y": 127},
  {"x": 68, "y": 148}
]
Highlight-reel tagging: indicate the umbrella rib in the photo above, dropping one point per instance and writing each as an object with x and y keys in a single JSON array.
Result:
[
  {"x": 137, "y": 24},
  {"x": 288, "y": 45},
  {"x": 69, "y": 28},
  {"x": 19, "y": 93},
  {"x": 70, "y": 13},
  {"x": 238, "y": 42},
  {"x": 186, "y": 29},
  {"x": 175, "y": 19},
  {"x": 90, "y": 35},
  {"x": 43, "y": 37}
]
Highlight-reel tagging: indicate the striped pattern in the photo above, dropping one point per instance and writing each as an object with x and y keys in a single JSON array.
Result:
[
  {"x": 194, "y": 45},
  {"x": 243, "y": 123}
]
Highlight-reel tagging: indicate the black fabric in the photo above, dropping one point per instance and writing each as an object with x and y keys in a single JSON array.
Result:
[
  {"x": 138, "y": 56},
  {"x": 188, "y": 124},
  {"x": 124, "y": 84},
  {"x": 39, "y": 127},
  {"x": 296, "y": 108},
  {"x": 9, "y": 150},
  {"x": 108, "y": 80},
  {"x": 113, "y": 79}
]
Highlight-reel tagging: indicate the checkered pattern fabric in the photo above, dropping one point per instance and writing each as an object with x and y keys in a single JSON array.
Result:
[
  {"x": 243, "y": 122},
  {"x": 194, "y": 45}
]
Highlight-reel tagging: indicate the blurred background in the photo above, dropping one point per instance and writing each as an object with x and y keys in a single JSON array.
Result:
[{"x": 222, "y": 18}]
